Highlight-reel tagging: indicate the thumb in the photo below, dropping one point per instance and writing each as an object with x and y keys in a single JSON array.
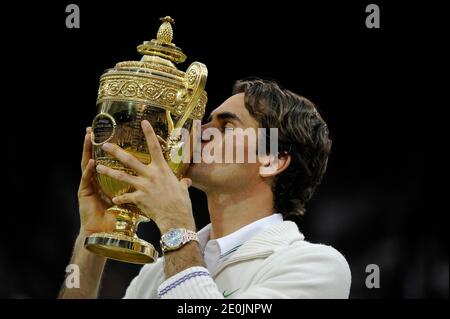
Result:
[{"x": 187, "y": 182}]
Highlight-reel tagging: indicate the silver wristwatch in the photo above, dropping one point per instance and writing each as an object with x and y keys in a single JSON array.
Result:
[{"x": 176, "y": 238}]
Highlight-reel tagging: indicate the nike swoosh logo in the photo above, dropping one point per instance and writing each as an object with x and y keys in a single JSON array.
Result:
[{"x": 225, "y": 295}]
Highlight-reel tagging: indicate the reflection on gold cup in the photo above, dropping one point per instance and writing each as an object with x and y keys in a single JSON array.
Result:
[{"x": 151, "y": 89}]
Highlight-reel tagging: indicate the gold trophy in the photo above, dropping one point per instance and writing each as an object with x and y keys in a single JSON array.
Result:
[{"x": 155, "y": 90}]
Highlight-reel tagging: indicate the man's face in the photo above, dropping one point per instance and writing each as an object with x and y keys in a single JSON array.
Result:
[{"x": 228, "y": 117}]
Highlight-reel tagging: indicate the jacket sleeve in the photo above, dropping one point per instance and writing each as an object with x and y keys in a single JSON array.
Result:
[
  {"x": 145, "y": 284},
  {"x": 305, "y": 271},
  {"x": 191, "y": 283}
]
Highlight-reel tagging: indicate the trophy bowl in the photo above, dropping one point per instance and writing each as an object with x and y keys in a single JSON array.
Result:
[{"x": 151, "y": 89}]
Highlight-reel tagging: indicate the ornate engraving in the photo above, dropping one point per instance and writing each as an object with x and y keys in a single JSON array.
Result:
[
  {"x": 192, "y": 76},
  {"x": 148, "y": 90}
]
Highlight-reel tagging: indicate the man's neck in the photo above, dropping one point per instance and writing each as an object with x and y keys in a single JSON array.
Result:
[{"x": 231, "y": 211}]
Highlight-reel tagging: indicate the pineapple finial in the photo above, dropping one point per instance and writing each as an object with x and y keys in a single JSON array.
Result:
[
  {"x": 165, "y": 31},
  {"x": 162, "y": 46}
]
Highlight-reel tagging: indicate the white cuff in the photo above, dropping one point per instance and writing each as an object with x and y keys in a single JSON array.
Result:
[{"x": 191, "y": 283}]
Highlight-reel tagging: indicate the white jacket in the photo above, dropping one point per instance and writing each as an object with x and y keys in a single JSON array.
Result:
[{"x": 276, "y": 263}]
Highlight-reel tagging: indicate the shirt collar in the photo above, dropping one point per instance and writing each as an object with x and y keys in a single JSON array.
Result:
[{"x": 231, "y": 242}]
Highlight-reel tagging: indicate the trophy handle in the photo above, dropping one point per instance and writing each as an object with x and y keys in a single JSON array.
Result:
[{"x": 195, "y": 81}]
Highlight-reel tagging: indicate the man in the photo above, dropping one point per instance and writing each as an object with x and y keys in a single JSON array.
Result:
[{"x": 250, "y": 249}]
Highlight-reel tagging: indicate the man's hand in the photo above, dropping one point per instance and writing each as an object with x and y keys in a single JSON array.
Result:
[
  {"x": 93, "y": 219},
  {"x": 158, "y": 192},
  {"x": 92, "y": 204}
]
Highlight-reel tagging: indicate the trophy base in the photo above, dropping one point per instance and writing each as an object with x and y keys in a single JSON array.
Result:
[{"x": 121, "y": 247}]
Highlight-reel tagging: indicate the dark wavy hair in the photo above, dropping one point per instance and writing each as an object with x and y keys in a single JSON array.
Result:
[{"x": 302, "y": 133}]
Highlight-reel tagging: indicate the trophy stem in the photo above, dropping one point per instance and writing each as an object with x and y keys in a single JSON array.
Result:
[
  {"x": 127, "y": 221},
  {"x": 122, "y": 243}
]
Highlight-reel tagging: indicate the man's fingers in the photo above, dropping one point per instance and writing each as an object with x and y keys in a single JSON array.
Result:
[
  {"x": 186, "y": 182},
  {"x": 152, "y": 142},
  {"x": 161, "y": 140},
  {"x": 87, "y": 149},
  {"x": 124, "y": 199},
  {"x": 87, "y": 175},
  {"x": 116, "y": 174},
  {"x": 126, "y": 158}
]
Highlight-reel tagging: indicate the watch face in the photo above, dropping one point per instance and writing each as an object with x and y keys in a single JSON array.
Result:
[{"x": 173, "y": 238}]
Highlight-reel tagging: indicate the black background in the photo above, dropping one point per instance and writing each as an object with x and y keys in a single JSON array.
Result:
[{"x": 383, "y": 92}]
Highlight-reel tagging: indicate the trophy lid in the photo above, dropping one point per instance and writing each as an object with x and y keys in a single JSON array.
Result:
[
  {"x": 156, "y": 80},
  {"x": 163, "y": 46},
  {"x": 159, "y": 54}
]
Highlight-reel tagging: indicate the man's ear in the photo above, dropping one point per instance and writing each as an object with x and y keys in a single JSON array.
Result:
[{"x": 272, "y": 165}]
